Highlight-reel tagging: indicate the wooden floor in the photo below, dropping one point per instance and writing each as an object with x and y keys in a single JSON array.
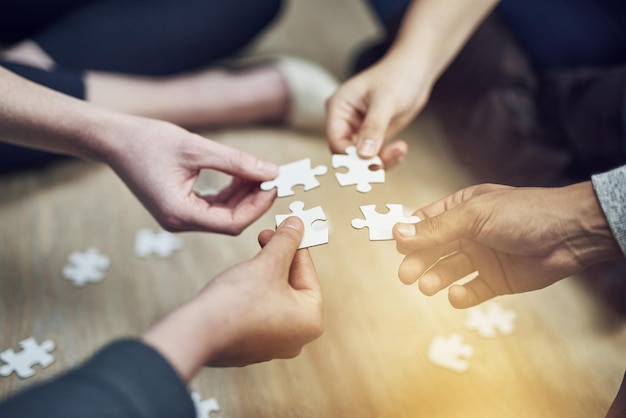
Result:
[{"x": 565, "y": 359}]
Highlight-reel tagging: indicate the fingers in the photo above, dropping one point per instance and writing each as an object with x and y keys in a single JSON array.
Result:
[
  {"x": 470, "y": 294},
  {"x": 341, "y": 124},
  {"x": 373, "y": 130},
  {"x": 445, "y": 272},
  {"x": 281, "y": 246},
  {"x": 438, "y": 231},
  {"x": 231, "y": 210},
  {"x": 416, "y": 263},
  {"x": 302, "y": 274},
  {"x": 234, "y": 162},
  {"x": 393, "y": 153}
]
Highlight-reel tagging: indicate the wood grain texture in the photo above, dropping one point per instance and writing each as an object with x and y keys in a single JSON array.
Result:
[{"x": 565, "y": 359}]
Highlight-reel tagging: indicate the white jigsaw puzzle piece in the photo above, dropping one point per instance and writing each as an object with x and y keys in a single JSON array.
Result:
[
  {"x": 359, "y": 172},
  {"x": 293, "y": 174},
  {"x": 162, "y": 244},
  {"x": 450, "y": 353},
  {"x": 491, "y": 320},
  {"x": 32, "y": 354},
  {"x": 381, "y": 225},
  {"x": 204, "y": 407},
  {"x": 86, "y": 267},
  {"x": 313, "y": 235}
]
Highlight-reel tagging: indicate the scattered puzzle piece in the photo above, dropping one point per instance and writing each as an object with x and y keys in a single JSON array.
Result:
[
  {"x": 359, "y": 172},
  {"x": 491, "y": 320},
  {"x": 450, "y": 353},
  {"x": 381, "y": 224},
  {"x": 312, "y": 235},
  {"x": 32, "y": 354},
  {"x": 205, "y": 407},
  {"x": 85, "y": 267},
  {"x": 292, "y": 174},
  {"x": 162, "y": 244}
]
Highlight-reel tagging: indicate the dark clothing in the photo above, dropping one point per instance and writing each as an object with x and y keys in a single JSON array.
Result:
[
  {"x": 561, "y": 34},
  {"x": 554, "y": 34},
  {"x": 126, "y": 379},
  {"x": 140, "y": 37}
]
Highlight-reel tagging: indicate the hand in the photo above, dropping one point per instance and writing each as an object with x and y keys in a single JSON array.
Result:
[
  {"x": 372, "y": 107},
  {"x": 265, "y": 308},
  {"x": 518, "y": 239},
  {"x": 161, "y": 162}
]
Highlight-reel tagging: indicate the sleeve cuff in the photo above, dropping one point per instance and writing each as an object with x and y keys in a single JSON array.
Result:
[
  {"x": 142, "y": 377},
  {"x": 610, "y": 188}
]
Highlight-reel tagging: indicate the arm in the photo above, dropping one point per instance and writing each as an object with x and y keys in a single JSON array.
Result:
[
  {"x": 518, "y": 239},
  {"x": 261, "y": 309},
  {"x": 159, "y": 162},
  {"x": 379, "y": 102}
]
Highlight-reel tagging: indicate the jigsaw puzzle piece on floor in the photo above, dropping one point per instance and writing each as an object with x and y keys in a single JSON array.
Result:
[
  {"x": 161, "y": 244},
  {"x": 85, "y": 267},
  {"x": 359, "y": 172},
  {"x": 491, "y": 320},
  {"x": 313, "y": 235},
  {"x": 381, "y": 225},
  {"x": 204, "y": 407},
  {"x": 293, "y": 174},
  {"x": 450, "y": 353},
  {"x": 32, "y": 354}
]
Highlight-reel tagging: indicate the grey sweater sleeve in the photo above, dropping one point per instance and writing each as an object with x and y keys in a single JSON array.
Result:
[
  {"x": 610, "y": 187},
  {"x": 126, "y": 379}
]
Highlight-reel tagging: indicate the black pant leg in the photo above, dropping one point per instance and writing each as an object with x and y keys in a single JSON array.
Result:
[{"x": 154, "y": 37}]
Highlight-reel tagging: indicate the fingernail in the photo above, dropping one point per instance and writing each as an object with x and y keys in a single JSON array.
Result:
[
  {"x": 265, "y": 167},
  {"x": 367, "y": 147},
  {"x": 406, "y": 230},
  {"x": 293, "y": 222}
]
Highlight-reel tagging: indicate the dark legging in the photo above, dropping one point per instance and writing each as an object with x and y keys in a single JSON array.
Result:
[{"x": 140, "y": 37}]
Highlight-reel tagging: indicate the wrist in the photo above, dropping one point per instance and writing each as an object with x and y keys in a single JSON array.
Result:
[
  {"x": 596, "y": 242},
  {"x": 186, "y": 338}
]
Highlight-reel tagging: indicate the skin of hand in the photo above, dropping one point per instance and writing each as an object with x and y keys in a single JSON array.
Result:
[
  {"x": 265, "y": 308},
  {"x": 160, "y": 162},
  {"x": 518, "y": 239},
  {"x": 378, "y": 103},
  {"x": 371, "y": 107}
]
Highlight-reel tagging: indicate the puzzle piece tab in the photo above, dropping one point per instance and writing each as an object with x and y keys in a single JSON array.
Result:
[
  {"x": 313, "y": 235},
  {"x": 381, "y": 224},
  {"x": 293, "y": 174},
  {"x": 204, "y": 407},
  {"x": 32, "y": 354},
  {"x": 359, "y": 172},
  {"x": 450, "y": 353},
  {"x": 85, "y": 267},
  {"x": 491, "y": 320},
  {"x": 162, "y": 244}
]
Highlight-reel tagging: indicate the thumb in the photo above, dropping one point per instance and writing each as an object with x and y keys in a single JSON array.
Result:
[
  {"x": 374, "y": 128},
  {"x": 438, "y": 231},
  {"x": 280, "y": 247}
]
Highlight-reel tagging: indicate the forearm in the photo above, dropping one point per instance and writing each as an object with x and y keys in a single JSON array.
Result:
[
  {"x": 37, "y": 117},
  {"x": 187, "y": 337},
  {"x": 433, "y": 32}
]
